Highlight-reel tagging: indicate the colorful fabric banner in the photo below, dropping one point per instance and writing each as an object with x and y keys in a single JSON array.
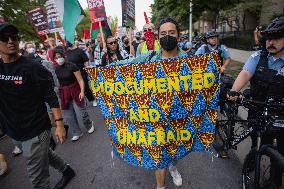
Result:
[
  {"x": 158, "y": 112},
  {"x": 39, "y": 21},
  {"x": 128, "y": 13},
  {"x": 97, "y": 10}
]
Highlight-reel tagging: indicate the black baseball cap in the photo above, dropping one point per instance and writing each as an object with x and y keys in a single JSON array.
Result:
[{"x": 8, "y": 28}]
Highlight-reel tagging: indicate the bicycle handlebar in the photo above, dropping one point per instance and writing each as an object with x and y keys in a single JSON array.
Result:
[
  {"x": 268, "y": 104},
  {"x": 242, "y": 100}
]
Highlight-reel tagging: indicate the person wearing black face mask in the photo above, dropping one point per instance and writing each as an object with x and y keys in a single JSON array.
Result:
[
  {"x": 168, "y": 32},
  {"x": 126, "y": 44},
  {"x": 136, "y": 41}
]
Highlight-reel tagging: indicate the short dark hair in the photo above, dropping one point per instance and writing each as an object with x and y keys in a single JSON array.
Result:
[
  {"x": 168, "y": 20},
  {"x": 109, "y": 36},
  {"x": 59, "y": 50}
]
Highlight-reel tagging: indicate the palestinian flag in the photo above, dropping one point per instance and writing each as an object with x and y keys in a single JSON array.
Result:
[
  {"x": 70, "y": 13},
  {"x": 96, "y": 29}
]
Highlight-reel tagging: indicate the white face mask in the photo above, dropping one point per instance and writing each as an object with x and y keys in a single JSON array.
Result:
[
  {"x": 31, "y": 50},
  {"x": 60, "y": 61}
]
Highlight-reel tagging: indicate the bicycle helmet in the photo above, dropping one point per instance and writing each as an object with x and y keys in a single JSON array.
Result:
[
  {"x": 275, "y": 29},
  {"x": 211, "y": 34}
]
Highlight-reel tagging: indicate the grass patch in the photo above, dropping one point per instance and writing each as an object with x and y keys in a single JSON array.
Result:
[{"x": 234, "y": 69}]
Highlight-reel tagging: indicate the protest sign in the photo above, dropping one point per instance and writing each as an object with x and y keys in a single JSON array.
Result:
[
  {"x": 97, "y": 10},
  {"x": 128, "y": 13},
  {"x": 158, "y": 112},
  {"x": 53, "y": 18},
  {"x": 39, "y": 21}
]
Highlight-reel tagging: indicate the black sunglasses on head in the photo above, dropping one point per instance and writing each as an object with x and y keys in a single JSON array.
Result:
[{"x": 5, "y": 38}]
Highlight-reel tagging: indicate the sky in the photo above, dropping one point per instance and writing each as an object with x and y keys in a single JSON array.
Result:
[{"x": 113, "y": 8}]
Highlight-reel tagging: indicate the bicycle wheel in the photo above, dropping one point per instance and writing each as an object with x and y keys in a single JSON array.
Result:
[
  {"x": 224, "y": 128},
  {"x": 260, "y": 171},
  {"x": 271, "y": 168},
  {"x": 248, "y": 171}
]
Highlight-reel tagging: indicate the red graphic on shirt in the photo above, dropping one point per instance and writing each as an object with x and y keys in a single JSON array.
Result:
[{"x": 20, "y": 82}]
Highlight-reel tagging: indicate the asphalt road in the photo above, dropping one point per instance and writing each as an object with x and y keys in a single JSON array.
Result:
[{"x": 96, "y": 169}]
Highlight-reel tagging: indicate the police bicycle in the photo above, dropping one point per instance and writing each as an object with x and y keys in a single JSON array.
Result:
[
  {"x": 264, "y": 165},
  {"x": 230, "y": 129}
]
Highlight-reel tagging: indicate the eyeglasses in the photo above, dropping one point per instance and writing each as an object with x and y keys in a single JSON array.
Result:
[
  {"x": 5, "y": 38},
  {"x": 111, "y": 43}
]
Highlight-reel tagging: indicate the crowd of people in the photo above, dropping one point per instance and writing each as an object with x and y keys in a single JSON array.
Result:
[{"x": 53, "y": 75}]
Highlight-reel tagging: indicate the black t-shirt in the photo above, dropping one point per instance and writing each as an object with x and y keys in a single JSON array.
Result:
[
  {"x": 78, "y": 57},
  {"x": 24, "y": 87},
  {"x": 65, "y": 74}
]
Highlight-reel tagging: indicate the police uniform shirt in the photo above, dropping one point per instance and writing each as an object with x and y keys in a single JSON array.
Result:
[
  {"x": 225, "y": 51},
  {"x": 253, "y": 60}
]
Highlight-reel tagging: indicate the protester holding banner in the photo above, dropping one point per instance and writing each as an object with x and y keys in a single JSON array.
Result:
[
  {"x": 169, "y": 32},
  {"x": 71, "y": 92}
]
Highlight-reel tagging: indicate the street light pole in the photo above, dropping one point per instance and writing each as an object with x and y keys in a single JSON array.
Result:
[{"x": 190, "y": 21}]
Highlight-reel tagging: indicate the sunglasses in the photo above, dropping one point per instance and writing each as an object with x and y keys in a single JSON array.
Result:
[
  {"x": 111, "y": 43},
  {"x": 148, "y": 30},
  {"x": 5, "y": 38}
]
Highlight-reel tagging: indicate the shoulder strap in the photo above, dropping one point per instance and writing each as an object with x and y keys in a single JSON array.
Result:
[
  {"x": 263, "y": 60},
  {"x": 206, "y": 48},
  {"x": 219, "y": 48}
]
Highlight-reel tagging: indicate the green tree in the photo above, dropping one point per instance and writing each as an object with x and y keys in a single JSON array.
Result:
[
  {"x": 179, "y": 9},
  {"x": 15, "y": 12}
]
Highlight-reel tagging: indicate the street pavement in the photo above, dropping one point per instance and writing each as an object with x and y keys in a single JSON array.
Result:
[{"x": 95, "y": 168}]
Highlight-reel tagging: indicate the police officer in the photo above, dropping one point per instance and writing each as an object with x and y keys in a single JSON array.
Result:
[
  {"x": 265, "y": 71},
  {"x": 213, "y": 46},
  {"x": 197, "y": 42}
]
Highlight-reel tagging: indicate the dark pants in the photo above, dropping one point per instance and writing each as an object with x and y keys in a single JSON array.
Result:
[
  {"x": 88, "y": 91},
  {"x": 267, "y": 137}
]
